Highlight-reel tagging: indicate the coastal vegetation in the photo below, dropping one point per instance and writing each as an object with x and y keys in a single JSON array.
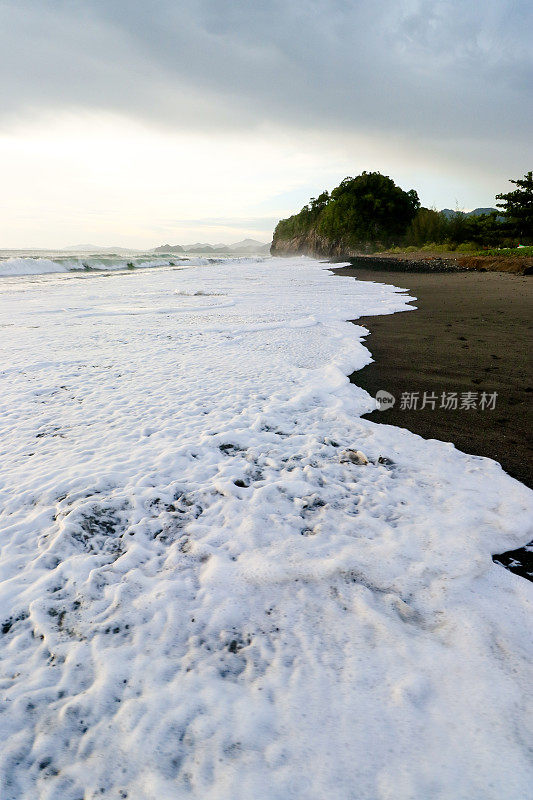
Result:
[
  {"x": 370, "y": 213},
  {"x": 518, "y": 207}
]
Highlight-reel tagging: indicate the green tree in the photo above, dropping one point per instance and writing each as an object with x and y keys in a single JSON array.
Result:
[
  {"x": 517, "y": 207},
  {"x": 368, "y": 209},
  {"x": 428, "y": 226},
  {"x": 485, "y": 230},
  {"x": 318, "y": 203}
]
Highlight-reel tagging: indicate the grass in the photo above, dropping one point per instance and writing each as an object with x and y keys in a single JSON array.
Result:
[
  {"x": 467, "y": 248},
  {"x": 512, "y": 252}
]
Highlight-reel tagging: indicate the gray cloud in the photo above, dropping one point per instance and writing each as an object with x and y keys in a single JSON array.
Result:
[{"x": 415, "y": 68}]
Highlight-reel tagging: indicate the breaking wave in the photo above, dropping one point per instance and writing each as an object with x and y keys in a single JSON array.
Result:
[
  {"x": 36, "y": 265},
  {"x": 41, "y": 264}
]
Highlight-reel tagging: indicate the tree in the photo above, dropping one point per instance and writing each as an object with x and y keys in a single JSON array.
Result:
[
  {"x": 320, "y": 202},
  {"x": 368, "y": 209},
  {"x": 428, "y": 226},
  {"x": 485, "y": 230},
  {"x": 518, "y": 207}
]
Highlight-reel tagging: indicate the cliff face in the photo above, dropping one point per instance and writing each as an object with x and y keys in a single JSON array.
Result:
[{"x": 311, "y": 244}]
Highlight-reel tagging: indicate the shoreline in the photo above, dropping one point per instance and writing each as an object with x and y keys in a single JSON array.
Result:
[
  {"x": 416, "y": 261},
  {"x": 422, "y": 261},
  {"x": 468, "y": 334}
]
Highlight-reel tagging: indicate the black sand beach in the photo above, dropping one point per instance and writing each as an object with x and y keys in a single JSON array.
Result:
[{"x": 471, "y": 332}]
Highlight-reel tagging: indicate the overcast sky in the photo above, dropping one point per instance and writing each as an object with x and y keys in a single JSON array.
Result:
[{"x": 134, "y": 123}]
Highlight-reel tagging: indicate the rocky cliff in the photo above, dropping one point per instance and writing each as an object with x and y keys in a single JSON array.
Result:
[{"x": 311, "y": 244}]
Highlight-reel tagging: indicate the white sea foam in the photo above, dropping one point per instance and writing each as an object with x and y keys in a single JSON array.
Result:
[
  {"x": 39, "y": 265},
  {"x": 34, "y": 265},
  {"x": 30, "y": 266},
  {"x": 201, "y": 597}
]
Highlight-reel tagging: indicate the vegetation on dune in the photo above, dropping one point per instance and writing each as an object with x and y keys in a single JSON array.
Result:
[
  {"x": 370, "y": 213},
  {"x": 459, "y": 231},
  {"x": 518, "y": 207}
]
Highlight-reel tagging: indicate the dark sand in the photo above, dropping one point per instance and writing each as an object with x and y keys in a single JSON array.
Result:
[{"x": 471, "y": 332}]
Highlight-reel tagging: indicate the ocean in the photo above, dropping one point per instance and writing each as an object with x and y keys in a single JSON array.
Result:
[
  {"x": 205, "y": 592},
  {"x": 43, "y": 262}
]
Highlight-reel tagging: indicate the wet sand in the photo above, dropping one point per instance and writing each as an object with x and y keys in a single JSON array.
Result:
[{"x": 471, "y": 332}]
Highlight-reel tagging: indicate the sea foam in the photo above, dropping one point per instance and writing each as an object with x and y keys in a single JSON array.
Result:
[{"x": 202, "y": 596}]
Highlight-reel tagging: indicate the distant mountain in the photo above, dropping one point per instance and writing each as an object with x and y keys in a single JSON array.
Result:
[
  {"x": 199, "y": 248},
  {"x": 477, "y": 212},
  {"x": 244, "y": 247},
  {"x": 246, "y": 243},
  {"x": 251, "y": 246},
  {"x": 169, "y": 248},
  {"x": 94, "y": 248}
]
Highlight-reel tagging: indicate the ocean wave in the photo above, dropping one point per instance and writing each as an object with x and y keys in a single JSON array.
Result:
[
  {"x": 42, "y": 266},
  {"x": 30, "y": 266},
  {"x": 37, "y": 265}
]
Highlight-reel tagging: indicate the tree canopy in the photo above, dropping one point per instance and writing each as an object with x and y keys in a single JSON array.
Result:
[
  {"x": 360, "y": 211},
  {"x": 517, "y": 206},
  {"x": 370, "y": 212},
  {"x": 369, "y": 208}
]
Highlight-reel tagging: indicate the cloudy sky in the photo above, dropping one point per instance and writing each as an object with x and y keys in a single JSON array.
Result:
[{"x": 137, "y": 123}]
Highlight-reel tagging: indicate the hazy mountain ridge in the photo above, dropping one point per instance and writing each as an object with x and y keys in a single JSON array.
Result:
[
  {"x": 246, "y": 247},
  {"x": 92, "y": 248},
  {"x": 476, "y": 212}
]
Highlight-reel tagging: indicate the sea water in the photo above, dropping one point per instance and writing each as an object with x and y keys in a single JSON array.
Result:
[{"x": 202, "y": 595}]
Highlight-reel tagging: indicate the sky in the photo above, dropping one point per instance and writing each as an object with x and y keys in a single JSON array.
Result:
[{"x": 136, "y": 124}]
